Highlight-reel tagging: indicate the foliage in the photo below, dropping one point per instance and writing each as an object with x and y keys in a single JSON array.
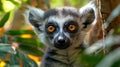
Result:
[
  {"x": 4, "y": 19},
  {"x": 15, "y": 45},
  {"x": 75, "y": 3},
  {"x": 105, "y": 52}
]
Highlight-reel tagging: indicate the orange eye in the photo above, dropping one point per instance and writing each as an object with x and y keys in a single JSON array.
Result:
[
  {"x": 72, "y": 27},
  {"x": 51, "y": 29}
]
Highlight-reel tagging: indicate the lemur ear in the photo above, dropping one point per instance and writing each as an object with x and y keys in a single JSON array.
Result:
[
  {"x": 34, "y": 16},
  {"x": 87, "y": 15}
]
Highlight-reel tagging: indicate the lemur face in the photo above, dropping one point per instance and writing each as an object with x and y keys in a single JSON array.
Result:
[{"x": 61, "y": 28}]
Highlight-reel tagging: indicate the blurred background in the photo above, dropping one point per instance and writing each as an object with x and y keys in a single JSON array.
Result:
[{"x": 20, "y": 47}]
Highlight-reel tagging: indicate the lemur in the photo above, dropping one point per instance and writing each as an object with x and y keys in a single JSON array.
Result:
[{"x": 62, "y": 30}]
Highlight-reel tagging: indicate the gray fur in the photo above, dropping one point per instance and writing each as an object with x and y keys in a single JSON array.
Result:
[{"x": 55, "y": 57}]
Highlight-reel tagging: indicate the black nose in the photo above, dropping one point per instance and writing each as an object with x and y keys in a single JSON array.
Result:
[{"x": 62, "y": 43}]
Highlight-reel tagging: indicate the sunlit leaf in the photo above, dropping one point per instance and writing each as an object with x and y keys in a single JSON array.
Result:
[
  {"x": 26, "y": 36},
  {"x": 4, "y": 19},
  {"x": 19, "y": 32},
  {"x": 35, "y": 58},
  {"x": 2, "y": 64},
  {"x": 56, "y": 3},
  {"x": 8, "y": 6},
  {"x": 16, "y": 3},
  {"x": 78, "y": 3},
  {"x": 24, "y": 0}
]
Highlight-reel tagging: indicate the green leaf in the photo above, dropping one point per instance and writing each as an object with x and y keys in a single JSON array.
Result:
[
  {"x": 1, "y": 9},
  {"x": 13, "y": 60},
  {"x": 29, "y": 49},
  {"x": 25, "y": 1},
  {"x": 26, "y": 61},
  {"x": 89, "y": 60},
  {"x": 6, "y": 48},
  {"x": 117, "y": 30},
  {"x": 116, "y": 64},
  {"x": 3, "y": 55},
  {"x": 4, "y": 39},
  {"x": 110, "y": 59},
  {"x": 12, "y": 65},
  {"x": 19, "y": 32},
  {"x": 4, "y": 19},
  {"x": 18, "y": 58},
  {"x": 30, "y": 41}
]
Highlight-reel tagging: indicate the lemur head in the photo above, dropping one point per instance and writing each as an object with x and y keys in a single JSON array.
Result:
[{"x": 61, "y": 28}]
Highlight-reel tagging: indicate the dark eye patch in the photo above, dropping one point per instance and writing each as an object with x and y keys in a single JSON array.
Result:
[
  {"x": 51, "y": 27},
  {"x": 71, "y": 26}
]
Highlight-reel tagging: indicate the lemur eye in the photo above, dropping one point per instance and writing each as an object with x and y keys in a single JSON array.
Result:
[
  {"x": 71, "y": 27},
  {"x": 51, "y": 29}
]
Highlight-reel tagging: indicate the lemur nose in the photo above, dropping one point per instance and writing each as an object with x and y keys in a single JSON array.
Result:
[{"x": 61, "y": 41}]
